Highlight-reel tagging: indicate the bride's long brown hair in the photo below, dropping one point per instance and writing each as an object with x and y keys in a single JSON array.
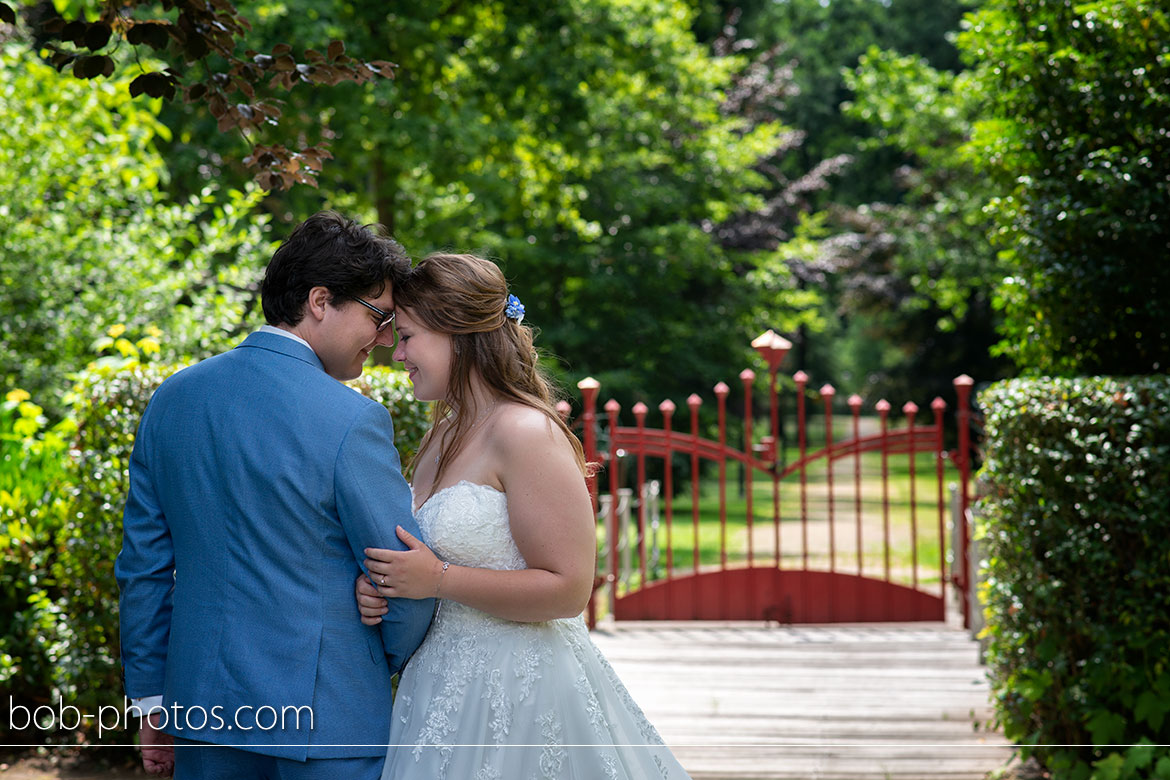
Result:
[{"x": 464, "y": 296}]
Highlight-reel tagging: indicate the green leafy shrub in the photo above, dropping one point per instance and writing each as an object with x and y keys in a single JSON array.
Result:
[
  {"x": 1075, "y": 523},
  {"x": 59, "y": 581},
  {"x": 32, "y": 469},
  {"x": 411, "y": 418},
  {"x": 1076, "y": 97},
  {"x": 90, "y": 244}
]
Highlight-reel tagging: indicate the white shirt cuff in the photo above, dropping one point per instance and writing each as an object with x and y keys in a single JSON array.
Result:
[{"x": 145, "y": 705}]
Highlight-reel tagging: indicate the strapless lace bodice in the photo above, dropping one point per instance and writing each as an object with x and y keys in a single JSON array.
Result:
[
  {"x": 491, "y": 699},
  {"x": 467, "y": 524}
]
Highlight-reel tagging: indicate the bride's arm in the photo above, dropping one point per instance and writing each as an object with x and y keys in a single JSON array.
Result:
[{"x": 551, "y": 521}]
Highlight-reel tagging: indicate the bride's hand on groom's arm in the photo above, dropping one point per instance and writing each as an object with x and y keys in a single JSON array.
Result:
[
  {"x": 411, "y": 574},
  {"x": 371, "y": 605}
]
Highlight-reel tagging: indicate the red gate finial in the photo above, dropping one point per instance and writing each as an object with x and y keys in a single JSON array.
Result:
[
  {"x": 772, "y": 348},
  {"x": 963, "y": 385},
  {"x": 589, "y": 388}
]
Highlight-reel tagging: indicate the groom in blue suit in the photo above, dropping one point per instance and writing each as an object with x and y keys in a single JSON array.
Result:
[{"x": 256, "y": 482}]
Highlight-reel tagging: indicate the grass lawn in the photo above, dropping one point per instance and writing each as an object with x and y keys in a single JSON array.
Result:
[{"x": 808, "y": 541}]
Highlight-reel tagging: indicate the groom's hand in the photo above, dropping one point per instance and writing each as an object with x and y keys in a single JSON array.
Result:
[
  {"x": 411, "y": 574},
  {"x": 158, "y": 748},
  {"x": 371, "y": 605}
]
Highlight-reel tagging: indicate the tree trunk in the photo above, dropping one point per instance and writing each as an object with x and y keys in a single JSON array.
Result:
[{"x": 382, "y": 185}]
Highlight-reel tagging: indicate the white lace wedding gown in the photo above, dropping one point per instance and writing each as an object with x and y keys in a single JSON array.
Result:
[{"x": 491, "y": 699}]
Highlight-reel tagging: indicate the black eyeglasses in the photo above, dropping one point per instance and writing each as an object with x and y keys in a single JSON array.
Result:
[{"x": 384, "y": 319}]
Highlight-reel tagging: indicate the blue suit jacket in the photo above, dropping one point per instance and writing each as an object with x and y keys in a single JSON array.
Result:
[{"x": 255, "y": 483}]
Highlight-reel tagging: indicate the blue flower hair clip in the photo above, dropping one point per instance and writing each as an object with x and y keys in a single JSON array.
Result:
[{"x": 513, "y": 309}]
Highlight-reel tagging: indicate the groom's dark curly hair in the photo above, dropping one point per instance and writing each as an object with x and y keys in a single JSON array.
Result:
[{"x": 331, "y": 251}]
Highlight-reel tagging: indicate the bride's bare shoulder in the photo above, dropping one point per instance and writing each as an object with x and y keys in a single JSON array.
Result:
[{"x": 519, "y": 425}]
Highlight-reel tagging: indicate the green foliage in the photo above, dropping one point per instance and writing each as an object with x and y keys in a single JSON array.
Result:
[
  {"x": 90, "y": 244},
  {"x": 63, "y": 504},
  {"x": 940, "y": 230},
  {"x": 1074, "y": 136},
  {"x": 1077, "y": 591},
  {"x": 393, "y": 390},
  {"x": 107, "y": 402},
  {"x": 903, "y": 260},
  {"x": 826, "y": 40},
  {"x": 1051, "y": 149},
  {"x": 926, "y": 281},
  {"x": 198, "y": 45},
  {"x": 32, "y": 507},
  {"x": 584, "y": 145}
]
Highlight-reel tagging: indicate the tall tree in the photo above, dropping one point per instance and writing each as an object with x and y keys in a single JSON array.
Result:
[
  {"x": 586, "y": 145},
  {"x": 826, "y": 39},
  {"x": 900, "y": 315},
  {"x": 925, "y": 271}
]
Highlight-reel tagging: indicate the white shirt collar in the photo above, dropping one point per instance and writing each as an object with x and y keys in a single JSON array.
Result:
[{"x": 282, "y": 332}]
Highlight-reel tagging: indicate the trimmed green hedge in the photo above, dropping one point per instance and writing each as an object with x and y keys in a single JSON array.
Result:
[
  {"x": 1076, "y": 526},
  {"x": 63, "y": 511}
]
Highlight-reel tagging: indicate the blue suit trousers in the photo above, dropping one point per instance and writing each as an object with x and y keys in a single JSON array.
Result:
[{"x": 204, "y": 761}]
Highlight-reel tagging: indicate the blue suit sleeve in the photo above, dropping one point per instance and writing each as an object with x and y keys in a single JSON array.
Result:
[
  {"x": 145, "y": 573},
  {"x": 372, "y": 499}
]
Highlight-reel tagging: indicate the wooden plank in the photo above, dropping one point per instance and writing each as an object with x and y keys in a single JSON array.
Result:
[{"x": 833, "y": 702}]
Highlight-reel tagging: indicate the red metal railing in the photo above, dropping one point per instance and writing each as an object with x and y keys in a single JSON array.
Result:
[{"x": 768, "y": 585}]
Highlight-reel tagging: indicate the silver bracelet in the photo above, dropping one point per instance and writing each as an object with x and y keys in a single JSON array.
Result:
[{"x": 439, "y": 584}]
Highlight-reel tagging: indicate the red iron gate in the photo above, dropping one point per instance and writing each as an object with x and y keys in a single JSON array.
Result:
[{"x": 821, "y": 580}]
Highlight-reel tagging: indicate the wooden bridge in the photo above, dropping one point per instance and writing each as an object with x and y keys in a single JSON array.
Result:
[
  {"x": 889, "y": 701},
  {"x": 857, "y": 664}
]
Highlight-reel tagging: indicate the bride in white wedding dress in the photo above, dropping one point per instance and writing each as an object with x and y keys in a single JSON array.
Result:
[{"x": 507, "y": 685}]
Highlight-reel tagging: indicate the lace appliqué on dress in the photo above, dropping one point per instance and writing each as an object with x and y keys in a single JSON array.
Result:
[
  {"x": 552, "y": 755},
  {"x": 491, "y": 699},
  {"x": 488, "y": 773},
  {"x": 499, "y": 705}
]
